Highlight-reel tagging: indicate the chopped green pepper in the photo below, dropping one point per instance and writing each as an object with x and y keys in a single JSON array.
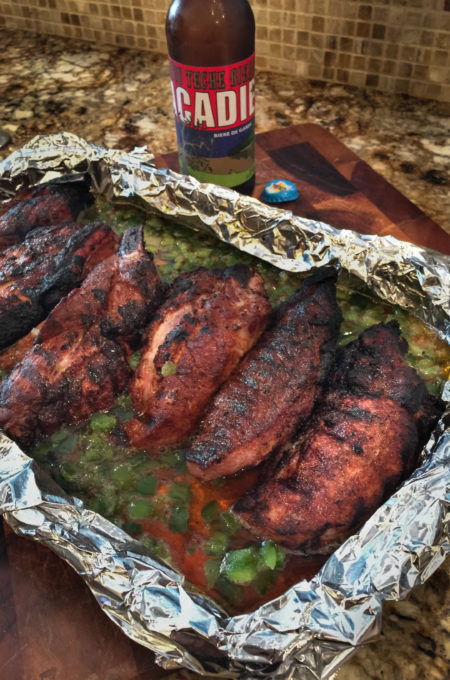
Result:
[
  {"x": 97, "y": 448},
  {"x": 40, "y": 452},
  {"x": 212, "y": 570},
  {"x": 122, "y": 408},
  {"x": 134, "y": 360},
  {"x": 147, "y": 485},
  {"x": 59, "y": 436},
  {"x": 268, "y": 553},
  {"x": 122, "y": 475},
  {"x": 70, "y": 473},
  {"x": 229, "y": 522},
  {"x": 133, "y": 528},
  {"x": 169, "y": 368},
  {"x": 179, "y": 519},
  {"x": 264, "y": 580},
  {"x": 211, "y": 511},
  {"x": 102, "y": 422},
  {"x": 123, "y": 401},
  {"x": 180, "y": 491},
  {"x": 173, "y": 459},
  {"x": 104, "y": 505},
  {"x": 157, "y": 548},
  {"x": 240, "y": 566},
  {"x": 281, "y": 557},
  {"x": 216, "y": 544},
  {"x": 67, "y": 444},
  {"x": 140, "y": 509}
]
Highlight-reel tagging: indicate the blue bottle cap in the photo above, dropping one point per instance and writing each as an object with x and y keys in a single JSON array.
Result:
[{"x": 279, "y": 190}]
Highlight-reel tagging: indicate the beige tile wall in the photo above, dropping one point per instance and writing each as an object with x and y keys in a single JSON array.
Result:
[{"x": 398, "y": 46}]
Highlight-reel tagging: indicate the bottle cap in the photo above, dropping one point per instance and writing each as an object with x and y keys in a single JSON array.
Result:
[{"x": 279, "y": 190}]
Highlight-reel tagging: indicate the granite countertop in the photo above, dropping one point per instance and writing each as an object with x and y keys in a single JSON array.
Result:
[{"x": 122, "y": 99}]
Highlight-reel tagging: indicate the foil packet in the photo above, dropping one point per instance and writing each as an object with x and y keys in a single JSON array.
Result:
[{"x": 316, "y": 625}]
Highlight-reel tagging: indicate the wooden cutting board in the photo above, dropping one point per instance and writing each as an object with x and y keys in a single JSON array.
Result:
[
  {"x": 336, "y": 186},
  {"x": 51, "y": 628}
]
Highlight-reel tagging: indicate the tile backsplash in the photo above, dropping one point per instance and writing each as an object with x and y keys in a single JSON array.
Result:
[{"x": 400, "y": 46}]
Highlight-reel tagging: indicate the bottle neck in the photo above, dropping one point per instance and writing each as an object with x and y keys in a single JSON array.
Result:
[{"x": 210, "y": 32}]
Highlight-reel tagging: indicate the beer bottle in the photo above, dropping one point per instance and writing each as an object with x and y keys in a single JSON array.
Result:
[{"x": 211, "y": 46}]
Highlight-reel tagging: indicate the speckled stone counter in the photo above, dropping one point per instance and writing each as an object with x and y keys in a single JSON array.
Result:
[{"x": 122, "y": 99}]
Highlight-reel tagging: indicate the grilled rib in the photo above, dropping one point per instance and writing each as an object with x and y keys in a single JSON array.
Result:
[
  {"x": 210, "y": 319},
  {"x": 78, "y": 363},
  {"x": 37, "y": 273},
  {"x": 42, "y": 206},
  {"x": 275, "y": 386},
  {"x": 25, "y": 195},
  {"x": 362, "y": 441}
]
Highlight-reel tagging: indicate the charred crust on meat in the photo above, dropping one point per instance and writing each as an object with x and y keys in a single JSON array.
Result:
[
  {"x": 176, "y": 336},
  {"x": 17, "y": 323},
  {"x": 365, "y": 366},
  {"x": 131, "y": 312},
  {"x": 360, "y": 513},
  {"x": 99, "y": 294},
  {"x": 410, "y": 449},
  {"x": 241, "y": 272},
  {"x": 78, "y": 262},
  {"x": 94, "y": 375},
  {"x": 359, "y": 414},
  {"x": 389, "y": 486},
  {"x": 131, "y": 241},
  {"x": 87, "y": 320}
]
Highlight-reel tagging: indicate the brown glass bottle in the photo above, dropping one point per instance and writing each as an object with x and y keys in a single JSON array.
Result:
[{"x": 211, "y": 47}]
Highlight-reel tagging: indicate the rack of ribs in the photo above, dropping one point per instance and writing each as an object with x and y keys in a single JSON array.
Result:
[
  {"x": 275, "y": 387},
  {"x": 208, "y": 322},
  {"x": 362, "y": 440},
  {"x": 38, "y": 272},
  {"x": 41, "y": 206},
  {"x": 78, "y": 363}
]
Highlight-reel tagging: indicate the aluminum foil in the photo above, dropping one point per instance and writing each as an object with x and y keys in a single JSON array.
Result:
[{"x": 316, "y": 625}]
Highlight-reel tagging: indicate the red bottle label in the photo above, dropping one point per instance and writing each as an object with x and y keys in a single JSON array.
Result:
[
  {"x": 214, "y": 98},
  {"x": 214, "y": 112}
]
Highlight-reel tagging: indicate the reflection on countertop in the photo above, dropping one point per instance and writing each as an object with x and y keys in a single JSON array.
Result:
[{"x": 122, "y": 99}]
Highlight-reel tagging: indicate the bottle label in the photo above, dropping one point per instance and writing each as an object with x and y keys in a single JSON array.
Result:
[{"x": 215, "y": 120}]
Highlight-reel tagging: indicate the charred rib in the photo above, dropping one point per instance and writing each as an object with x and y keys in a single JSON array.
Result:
[
  {"x": 36, "y": 274},
  {"x": 210, "y": 319},
  {"x": 275, "y": 386},
  {"x": 41, "y": 207},
  {"x": 362, "y": 441},
  {"x": 74, "y": 367}
]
